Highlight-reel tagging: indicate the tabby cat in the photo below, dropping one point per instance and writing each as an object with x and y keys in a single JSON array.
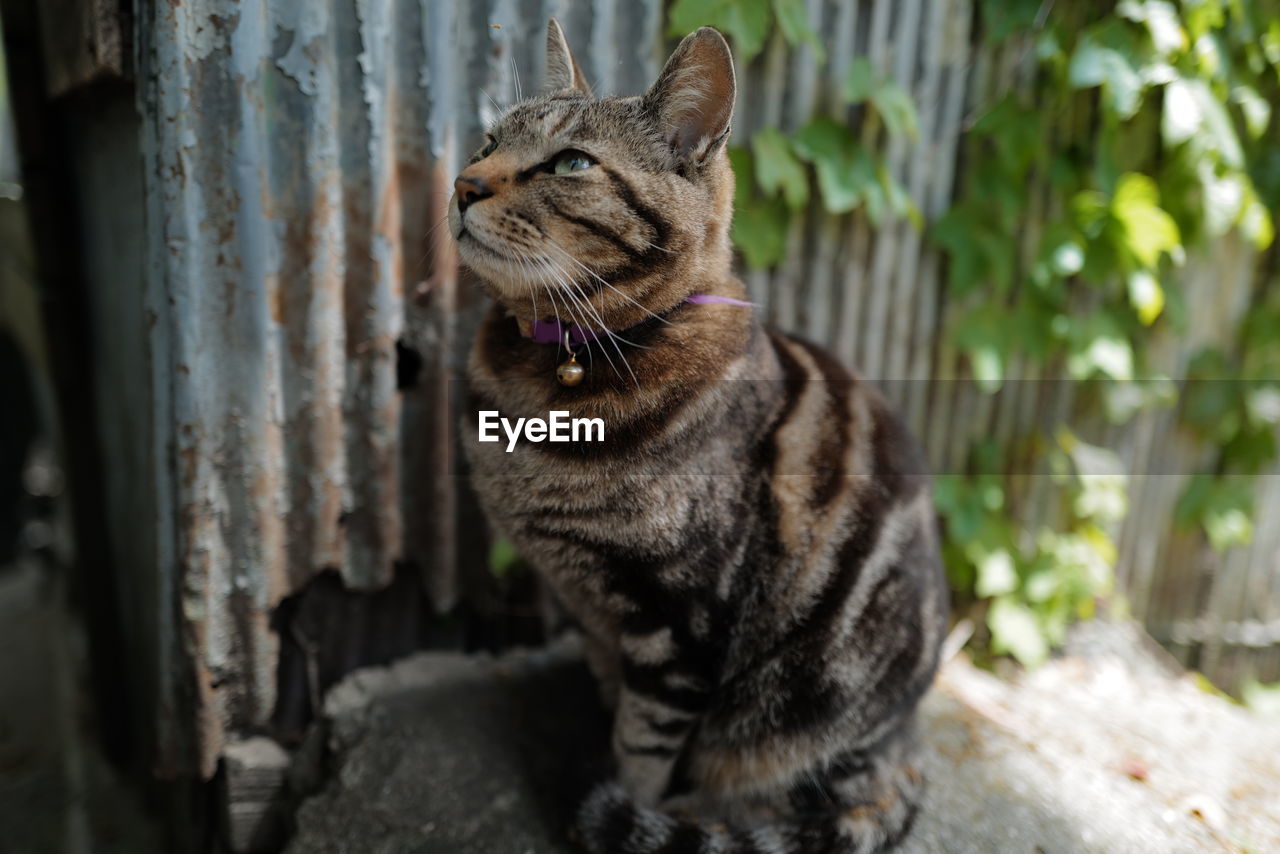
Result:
[{"x": 751, "y": 551}]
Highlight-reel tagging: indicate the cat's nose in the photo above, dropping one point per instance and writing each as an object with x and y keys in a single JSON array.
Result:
[{"x": 470, "y": 189}]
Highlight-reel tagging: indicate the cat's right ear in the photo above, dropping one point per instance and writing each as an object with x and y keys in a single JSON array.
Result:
[
  {"x": 563, "y": 72},
  {"x": 693, "y": 96}
]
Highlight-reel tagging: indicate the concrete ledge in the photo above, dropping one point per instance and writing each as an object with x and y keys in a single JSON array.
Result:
[{"x": 450, "y": 754}]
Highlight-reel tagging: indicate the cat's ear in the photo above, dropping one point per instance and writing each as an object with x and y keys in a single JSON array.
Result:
[
  {"x": 693, "y": 96},
  {"x": 562, "y": 69}
]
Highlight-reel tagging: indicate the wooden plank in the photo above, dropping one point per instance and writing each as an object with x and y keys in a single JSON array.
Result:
[{"x": 254, "y": 807}]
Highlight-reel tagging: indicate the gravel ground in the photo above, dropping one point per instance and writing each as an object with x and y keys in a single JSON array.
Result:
[{"x": 447, "y": 754}]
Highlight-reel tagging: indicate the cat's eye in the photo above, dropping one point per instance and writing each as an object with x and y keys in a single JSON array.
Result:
[
  {"x": 489, "y": 145},
  {"x": 571, "y": 161}
]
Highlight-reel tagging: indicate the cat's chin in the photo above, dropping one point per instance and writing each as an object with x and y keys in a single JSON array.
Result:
[{"x": 506, "y": 280}]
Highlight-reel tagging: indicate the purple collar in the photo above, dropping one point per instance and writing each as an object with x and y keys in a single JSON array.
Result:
[{"x": 552, "y": 331}]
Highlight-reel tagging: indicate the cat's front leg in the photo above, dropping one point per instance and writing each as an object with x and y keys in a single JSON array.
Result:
[
  {"x": 661, "y": 700},
  {"x": 602, "y": 661}
]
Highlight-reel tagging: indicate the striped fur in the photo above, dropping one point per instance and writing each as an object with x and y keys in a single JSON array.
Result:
[{"x": 751, "y": 552}]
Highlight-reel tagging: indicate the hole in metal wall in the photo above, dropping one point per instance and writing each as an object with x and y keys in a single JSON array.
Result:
[{"x": 408, "y": 366}]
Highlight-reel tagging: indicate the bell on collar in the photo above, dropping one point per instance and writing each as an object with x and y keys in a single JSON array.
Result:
[{"x": 570, "y": 373}]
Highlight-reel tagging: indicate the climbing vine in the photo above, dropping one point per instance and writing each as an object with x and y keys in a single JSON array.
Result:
[{"x": 1143, "y": 130}]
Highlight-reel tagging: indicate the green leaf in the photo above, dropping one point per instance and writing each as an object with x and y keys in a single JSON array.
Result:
[
  {"x": 759, "y": 227},
  {"x": 1103, "y": 485},
  {"x": 1163, "y": 23},
  {"x": 988, "y": 367},
  {"x": 1148, "y": 229},
  {"x": 502, "y": 558},
  {"x": 952, "y": 232},
  {"x": 746, "y": 22},
  {"x": 1223, "y": 198},
  {"x": 984, "y": 336},
  {"x": 1146, "y": 296},
  {"x": 793, "y": 19},
  {"x": 996, "y": 575},
  {"x": 1255, "y": 222},
  {"x": 777, "y": 169},
  {"x": 1262, "y": 699},
  {"x": 859, "y": 81},
  {"x": 1211, "y": 396},
  {"x": 891, "y": 102},
  {"x": 899, "y": 200},
  {"x": 847, "y": 174},
  {"x": 1193, "y": 114},
  {"x": 1223, "y": 507},
  {"x": 1014, "y": 630},
  {"x": 1089, "y": 211},
  {"x": 1252, "y": 450},
  {"x": 1068, "y": 258},
  {"x": 760, "y": 232},
  {"x": 897, "y": 110},
  {"x": 1098, "y": 345},
  {"x": 1018, "y": 133},
  {"x": 1228, "y": 527},
  {"x": 1256, "y": 110},
  {"x": 1271, "y": 42},
  {"x": 1263, "y": 405},
  {"x": 1201, "y": 16},
  {"x": 1110, "y": 355},
  {"x": 1003, "y": 18},
  {"x": 1097, "y": 64}
]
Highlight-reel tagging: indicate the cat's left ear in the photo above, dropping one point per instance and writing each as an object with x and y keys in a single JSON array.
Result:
[
  {"x": 562, "y": 69},
  {"x": 693, "y": 96}
]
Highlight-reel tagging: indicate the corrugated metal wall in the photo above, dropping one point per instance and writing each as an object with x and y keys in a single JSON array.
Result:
[{"x": 298, "y": 160}]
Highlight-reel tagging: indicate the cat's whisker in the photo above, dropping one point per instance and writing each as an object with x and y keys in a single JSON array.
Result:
[
  {"x": 610, "y": 335},
  {"x": 592, "y": 273},
  {"x": 566, "y": 290},
  {"x": 554, "y": 305},
  {"x": 435, "y": 227},
  {"x": 427, "y": 237},
  {"x": 537, "y": 276},
  {"x": 610, "y": 338},
  {"x": 491, "y": 100},
  {"x": 653, "y": 245},
  {"x": 533, "y": 302},
  {"x": 515, "y": 72},
  {"x": 613, "y": 339},
  {"x": 603, "y": 326},
  {"x": 533, "y": 292}
]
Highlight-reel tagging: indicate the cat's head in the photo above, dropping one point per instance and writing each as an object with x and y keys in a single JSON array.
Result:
[{"x": 604, "y": 203}]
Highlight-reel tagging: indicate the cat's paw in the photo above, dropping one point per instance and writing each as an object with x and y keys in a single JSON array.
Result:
[
  {"x": 644, "y": 778},
  {"x": 604, "y": 803},
  {"x": 686, "y": 807}
]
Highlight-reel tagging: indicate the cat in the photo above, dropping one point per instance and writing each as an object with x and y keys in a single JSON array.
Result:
[{"x": 751, "y": 551}]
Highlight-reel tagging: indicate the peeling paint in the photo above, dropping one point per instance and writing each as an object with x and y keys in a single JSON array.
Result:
[
  {"x": 204, "y": 25},
  {"x": 304, "y": 25}
]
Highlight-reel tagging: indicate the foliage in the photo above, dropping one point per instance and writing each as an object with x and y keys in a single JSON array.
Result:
[
  {"x": 1174, "y": 155},
  {"x": 1263, "y": 699},
  {"x": 775, "y": 173},
  {"x": 1149, "y": 125},
  {"x": 746, "y": 22},
  {"x": 503, "y": 558},
  {"x": 1039, "y": 581}
]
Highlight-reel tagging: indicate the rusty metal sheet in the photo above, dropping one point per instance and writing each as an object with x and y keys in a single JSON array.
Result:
[{"x": 298, "y": 157}]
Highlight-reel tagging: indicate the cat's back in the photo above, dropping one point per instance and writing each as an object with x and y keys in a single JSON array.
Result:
[{"x": 838, "y": 430}]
